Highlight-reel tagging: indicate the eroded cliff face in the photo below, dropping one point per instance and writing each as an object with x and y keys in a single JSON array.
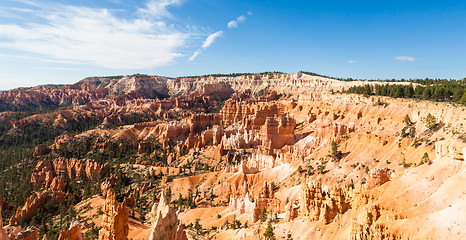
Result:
[
  {"x": 33, "y": 204},
  {"x": 50, "y": 175}
]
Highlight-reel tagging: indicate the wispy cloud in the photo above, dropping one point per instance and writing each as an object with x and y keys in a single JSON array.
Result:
[
  {"x": 158, "y": 8},
  {"x": 212, "y": 37},
  {"x": 352, "y": 61},
  {"x": 97, "y": 37},
  {"x": 238, "y": 20},
  {"x": 209, "y": 40},
  {"x": 405, "y": 59},
  {"x": 195, "y": 54},
  {"x": 59, "y": 68}
]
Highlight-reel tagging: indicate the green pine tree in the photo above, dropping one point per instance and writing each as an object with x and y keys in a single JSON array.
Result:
[{"x": 268, "y": 234}]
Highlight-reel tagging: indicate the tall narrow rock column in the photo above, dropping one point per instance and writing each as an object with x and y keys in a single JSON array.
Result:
[{"x": 115, "y": 221}]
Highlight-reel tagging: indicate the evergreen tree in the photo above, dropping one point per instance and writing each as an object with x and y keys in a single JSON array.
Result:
[
  {"x": 263, "y": 215},
  {"x": 431, "y": 122},
  {"x": 268, "y": 234}
]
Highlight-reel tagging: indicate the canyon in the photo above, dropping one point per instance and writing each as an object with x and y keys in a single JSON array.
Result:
[{"x": 148, "y": 157}]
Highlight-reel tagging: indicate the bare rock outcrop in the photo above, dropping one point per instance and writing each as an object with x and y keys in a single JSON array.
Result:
[
  {"x": 366, "y": 228},
  {"x": 316, "y": 204},
  {"x": 107, "y": 185},
  {"x": 45, "y": 172},
  {"x": 73, "y": 232},
  {"x": 3, "y": 204},
  {"x": 377, "y": 177},
  {"x": 450, "y": 148},
  {"x": 40, "y": 150},
  {"x": 115, "y": 222},
  {"x": 291, "y": 212},
  {"x": 244, "y": 202},
  {"x": 30, "y": 208},
  {"x": 29, "y": 234},
  {"x": 166, "y": 224},
  {"x": 3, "y": 234},
  {"x": 278, "y": 132},
  {"x": 180, "y": 233}
]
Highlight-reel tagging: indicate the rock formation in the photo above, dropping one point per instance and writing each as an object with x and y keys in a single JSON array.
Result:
[
  {"x": 46, "y": 172},
  {"x": 30, "y": 208},
  {"x": 366, "y": 228},
  {"x": 40, "y": 150},
  {"x": 73, "y": 232},
  {"x": 29, "y": 234},
  {"x": 115, "y": 221},
  {"x": 244, "y": 202},
  {"x": 3, "y": 234},
  {"x": 278, "y": 132},
  {"x": 291, "y": 212},
  {"x": 166, "y": 225},
  {"x": 377, "y": 177},
  {"x": 3, "y": 204},
  {"x": 316, "y": 204},
  {"x": 451, "y": 148},
  {"x": 107, "y": 185}
]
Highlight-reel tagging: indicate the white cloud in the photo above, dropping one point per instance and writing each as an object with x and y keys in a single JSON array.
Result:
[
  {"x": 158, "y": 8},
  {"x": 234, "y": 23},
  {"x": 241, "y": 19},
  {"x": 209, "y": 40},
  {"x": 249, "y": 13},
  {"x": 96, "y": 36},
  {"x": 352, "y": 61},
  {"x": 405, "y": 59}
]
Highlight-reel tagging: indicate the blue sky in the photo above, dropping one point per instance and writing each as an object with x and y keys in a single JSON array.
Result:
[{"x": 63, "y": 41}]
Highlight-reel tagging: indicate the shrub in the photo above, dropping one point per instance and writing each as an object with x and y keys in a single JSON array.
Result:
[
  {"x": 407, "y": 120},
  {"x": 426, "y": 159}
]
